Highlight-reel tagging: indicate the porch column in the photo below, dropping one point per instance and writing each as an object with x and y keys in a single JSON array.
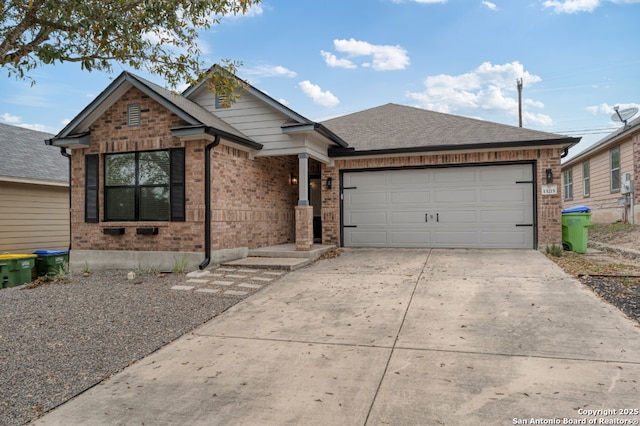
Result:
[
  {"x": 303, "y": 179},
  {"x": 304, "y": 211}
]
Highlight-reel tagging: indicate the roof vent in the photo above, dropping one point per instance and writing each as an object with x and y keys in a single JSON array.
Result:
[
  {"x": 133, "y": 115},
  {"x": 222, "y": 101}
]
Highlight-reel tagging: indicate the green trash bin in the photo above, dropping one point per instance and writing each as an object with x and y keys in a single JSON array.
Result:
[
  {"x": 49, "y": 262},
  {"x": 575, "y": 228},
  {"x": 17, "y": 269}
]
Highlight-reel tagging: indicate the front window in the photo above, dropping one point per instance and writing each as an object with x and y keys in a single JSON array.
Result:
[
  {"x": 586, "y": 178},
  {"x": 137, "y": 186},
  {"x": 614, "y": 156},
  {"x": 568, "y": 184}
]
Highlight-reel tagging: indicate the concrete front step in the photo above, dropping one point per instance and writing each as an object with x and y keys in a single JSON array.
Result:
[
  {"x": 289, "y": 251},
  {"x": 281, "y": 263}
]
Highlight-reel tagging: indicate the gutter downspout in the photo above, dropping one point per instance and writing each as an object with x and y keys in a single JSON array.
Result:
[
  {"x": 565, "y": 152},
  {"x": 64, "y": 152},
  {"x": 207, "y": 202}
]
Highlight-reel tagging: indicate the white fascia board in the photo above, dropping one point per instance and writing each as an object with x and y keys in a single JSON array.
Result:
[{"x": 434, "y": 153}]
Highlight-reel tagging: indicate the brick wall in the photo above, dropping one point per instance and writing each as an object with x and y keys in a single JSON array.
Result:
[
  {"x": 252, "y": 201},
  {"x": 549, "y": 216}
]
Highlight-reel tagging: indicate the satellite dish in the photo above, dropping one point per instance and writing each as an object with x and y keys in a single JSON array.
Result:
[{"x": 623, "y": 115}]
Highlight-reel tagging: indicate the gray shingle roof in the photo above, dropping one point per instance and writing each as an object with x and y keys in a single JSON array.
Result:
[
  {"x": 397, "y": 127},
  {"x": 25, "y": 155}
]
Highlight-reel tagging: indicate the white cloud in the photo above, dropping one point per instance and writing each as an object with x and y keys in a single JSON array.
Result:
[
  {"x": 14, "y": 120},
  {"x": 572, "y": 6},
  {"x": 490, "y": 5},
  {"x": 10, "y": 119},
  {"x": 537, "y": 119},
  {"x": 271, "y": 71},
  {"x": 606, "y": 109},
  {"x": 383, "y": 57},
  {"x": 335, "y": 62},
  {"x": 487, "y": 88},
  {"x": 325, "y": 98},
  {"x": 577, "y": 6}
]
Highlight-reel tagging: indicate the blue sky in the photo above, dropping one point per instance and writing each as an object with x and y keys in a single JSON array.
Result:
[{"x": 577, "y": 58}]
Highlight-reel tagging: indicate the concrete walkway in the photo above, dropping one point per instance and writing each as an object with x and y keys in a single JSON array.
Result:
[{"x": 401, "y": 337}]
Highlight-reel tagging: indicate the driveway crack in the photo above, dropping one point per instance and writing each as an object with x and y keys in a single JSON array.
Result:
[{"x": 395, "y": 341}]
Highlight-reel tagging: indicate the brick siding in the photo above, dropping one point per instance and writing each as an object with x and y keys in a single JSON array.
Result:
[{"x": 252, "y": 201}]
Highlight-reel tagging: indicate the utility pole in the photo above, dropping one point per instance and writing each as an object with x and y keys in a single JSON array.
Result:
[{"x": 519, "y": 81}]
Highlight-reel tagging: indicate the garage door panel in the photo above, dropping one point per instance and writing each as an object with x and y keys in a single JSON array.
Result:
[
  {"x": 407, "y": 218},
  {"x": 455, "y": 196},
  {"x": 513, "y": 173},
  {"x": 514, "y": 216},
  {"x": 475, "y": 206},
  {"x": 409, "y": 197},
  {"x": 367, "y": 218},
  {"x": 365, "y": 237},
  {"x": 454, "y": 176},
  {"x": 461, "y": 216},
  {"x": 502, "y": 195},
  {"x": 365, "y": 180},
  {"x": 408, "y": 178},
  {"x": 410, "y": 239},
  {"x": 367, "y": 198},
  {"x": 459, "y": 238}
]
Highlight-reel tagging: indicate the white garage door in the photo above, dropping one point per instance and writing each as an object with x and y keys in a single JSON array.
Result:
[{"x": 469, "y": 207}]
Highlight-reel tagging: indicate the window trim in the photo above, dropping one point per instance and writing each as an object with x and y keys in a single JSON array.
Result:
[
  {"x": 175, "y": 186},
  {"x": 567, "y": 187},
  {"x": 586, "y": 178},
  {"x": 613, "y": 170}
]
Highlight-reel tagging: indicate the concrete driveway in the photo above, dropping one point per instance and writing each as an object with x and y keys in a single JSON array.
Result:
[{"x": 400, "y": 337}]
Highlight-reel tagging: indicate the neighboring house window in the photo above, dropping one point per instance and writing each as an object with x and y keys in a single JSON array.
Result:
[
  {"x": 586, "y": 178},
  {"x": 144, "y": 186},
  {"x": 614, "y": 156},
  {"x": 133, "y": 115},
  {"x": 568, "y": 184}
]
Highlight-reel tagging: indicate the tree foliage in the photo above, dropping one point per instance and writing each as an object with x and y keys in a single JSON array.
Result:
[{"x": 159, "y": 36}]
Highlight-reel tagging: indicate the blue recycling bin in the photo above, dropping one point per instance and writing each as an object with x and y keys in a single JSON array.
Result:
[{"x": 50, "y": 261}]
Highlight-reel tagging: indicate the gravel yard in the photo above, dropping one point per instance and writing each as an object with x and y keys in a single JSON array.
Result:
[{"x": 59, "y": 339}]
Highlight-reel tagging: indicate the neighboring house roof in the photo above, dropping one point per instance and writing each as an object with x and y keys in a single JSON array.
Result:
[
  {"x": 393, "y": 128},
  {"x": 193, "y": 114},
  {"x": 606, "y": 142},
  {"x": 26, "y": 157}
]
